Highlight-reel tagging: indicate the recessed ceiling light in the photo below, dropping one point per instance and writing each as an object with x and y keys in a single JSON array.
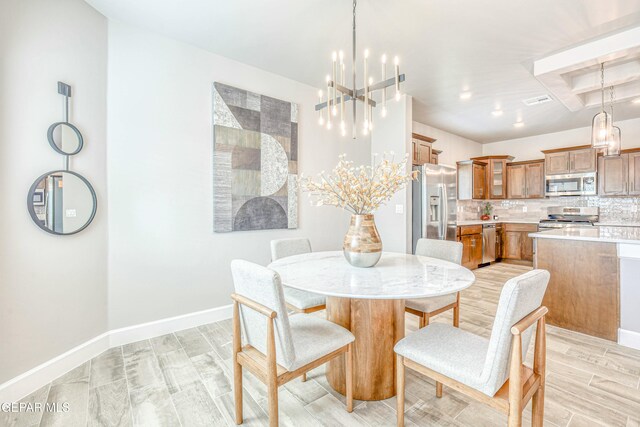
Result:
[
  {"x": 636, "y": 101},
  {"x": 465, "y": 95},
  {"x": 497, "y": 113},
  {"x": 518, "y": 124}
]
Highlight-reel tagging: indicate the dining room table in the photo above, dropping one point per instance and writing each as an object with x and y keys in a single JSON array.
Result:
[{"x": 370, "y": 302}]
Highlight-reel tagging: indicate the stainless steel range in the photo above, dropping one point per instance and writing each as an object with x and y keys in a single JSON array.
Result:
[{"x": 561, "y": 217}]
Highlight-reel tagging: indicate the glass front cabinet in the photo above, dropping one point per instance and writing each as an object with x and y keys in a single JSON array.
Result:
[{"x": 496, "y": 175}]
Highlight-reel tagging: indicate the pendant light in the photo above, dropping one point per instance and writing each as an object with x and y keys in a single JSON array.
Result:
[
  {"x": 601, "y": 125},
  {"x": 615, "y": 137}
]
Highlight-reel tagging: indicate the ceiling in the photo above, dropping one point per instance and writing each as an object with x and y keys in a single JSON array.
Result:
[{"x": 487, "y": 48}]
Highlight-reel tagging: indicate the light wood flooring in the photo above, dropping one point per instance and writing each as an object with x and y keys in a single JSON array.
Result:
[{"x": 184, "y": 379}]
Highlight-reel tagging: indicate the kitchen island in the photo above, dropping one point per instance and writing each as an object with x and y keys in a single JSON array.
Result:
[{"x": 595, "y": 280}]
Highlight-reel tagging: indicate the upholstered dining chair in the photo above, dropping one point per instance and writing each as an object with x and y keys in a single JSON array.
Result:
[
  {"x": 491, "y": 371},
  {"x": 297, "y": 300},
  {"x": 279, "y": 347},
  {"x": 426, "y": 308}
]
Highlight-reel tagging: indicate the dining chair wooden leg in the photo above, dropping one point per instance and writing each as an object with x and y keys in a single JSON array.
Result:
[
  {"x": 304, "y": 377},
  {"x": 272, "y": 375},
  {"x": 515, "y": 383},
  {"x": 456, "y": 312},
  {"x": 539, "y": 367},
  {"x": 349, "y": 372},
  {"x": 537, "y": 408},
  {"x": 237, "y": 390},
  {"x": 400, "y": 390},
  {"x": 438, "y": 389},
  {"x": 237, "y": 368},
  {"x": 424, "y": 320}
]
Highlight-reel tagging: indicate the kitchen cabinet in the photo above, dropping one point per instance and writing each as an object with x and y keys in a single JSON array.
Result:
[
  {"x": 517, "y": 245},
  {"x": 472, "y": 180},
  {"x": 535, "y": 179},
  {"x": 422, "y": 149},
  {"x": 517, "y": 182},
  {"x": 499, "y": 241},
  {"x": 619, "y": 175},
  {"x": 580, "y": 159},
  {"x": 583, "y": 161},
  {"x": 525, "y": 180},
  {"x": 613, "y": 175},
  {"x": 496, "y": 175},
  {"x": 471, "y": 239},
  {"x": 479, "y": 181},
  {"x": 634, "y": 171},
  {"x": 434, "y": 156},
  {"x": 557, "y": 163}
]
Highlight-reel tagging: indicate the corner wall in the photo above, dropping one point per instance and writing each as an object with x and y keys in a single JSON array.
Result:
[
  {"x": 164, "y": 258},
  {"x": 53, "y": 289}
]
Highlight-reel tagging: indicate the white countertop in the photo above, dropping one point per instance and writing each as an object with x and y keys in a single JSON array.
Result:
[
  {"x": 617, "y": 224},
  {"x": 498, "y": 221},
  {"x": 395, "y": 276},
  {"x": 606, "y": 234}
]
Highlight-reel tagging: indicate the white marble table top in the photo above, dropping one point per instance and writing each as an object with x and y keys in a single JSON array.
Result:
[{"x": 395, "y": 276}]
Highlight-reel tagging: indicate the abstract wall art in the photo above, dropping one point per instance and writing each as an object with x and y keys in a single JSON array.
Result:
[{"x": 255, "y": 161}]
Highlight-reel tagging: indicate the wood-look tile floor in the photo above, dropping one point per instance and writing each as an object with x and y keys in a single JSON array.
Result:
[{"x": 184, "y": 379}]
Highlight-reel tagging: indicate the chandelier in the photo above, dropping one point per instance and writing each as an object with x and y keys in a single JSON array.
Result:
[{"x": 332, "y": 108}]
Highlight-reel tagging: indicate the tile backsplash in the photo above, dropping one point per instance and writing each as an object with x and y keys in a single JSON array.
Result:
[{"x": 612, "y": 209}]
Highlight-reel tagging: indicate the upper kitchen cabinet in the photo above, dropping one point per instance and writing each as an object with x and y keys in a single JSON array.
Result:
[
  {"x": 619, "y": 175},
  {"x": 423, "y": 151},
  {"x": 525, "y": 180},
  {"x": 580, "y": 159},
  {"x": 613, "y": 175},
  {"x": 434, "y": 156},
  {"x": 634, "y": 171},
  {"x": 472, "y": 180},
  {"x": 496, "y": 175}
]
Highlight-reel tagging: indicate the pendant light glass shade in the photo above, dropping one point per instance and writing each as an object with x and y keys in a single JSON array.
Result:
[
  {"x": 600, "y": 130},
  {"x": 615, "y": 138}
]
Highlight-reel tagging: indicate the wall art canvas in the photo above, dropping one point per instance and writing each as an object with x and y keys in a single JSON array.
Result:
[{"x": 255, "y": 161}]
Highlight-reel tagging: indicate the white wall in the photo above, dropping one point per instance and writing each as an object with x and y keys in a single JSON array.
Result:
[
  {"x": 393, "y": 134},
  {"x": 164, "y": 259},
  {"x": 52, "y": 289},
  {"x": 454, "y": 148},
  {"x": 529, "y": 148}
]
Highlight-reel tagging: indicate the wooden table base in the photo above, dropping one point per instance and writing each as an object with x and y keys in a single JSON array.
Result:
[{"x": 377, "y": 325}]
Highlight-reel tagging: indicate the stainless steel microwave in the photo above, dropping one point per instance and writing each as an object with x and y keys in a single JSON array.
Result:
[{"x": 575, "y": 184}]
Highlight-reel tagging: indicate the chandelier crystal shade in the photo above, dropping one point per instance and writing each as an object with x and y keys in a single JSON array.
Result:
[
  {"x": 615, "y": 137},
  {"x": 601, "y": 124},
  {"x": 332, "y": 105}
]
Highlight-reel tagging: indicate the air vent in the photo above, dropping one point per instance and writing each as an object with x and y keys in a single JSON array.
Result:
[{"x": 537, "y": 100}]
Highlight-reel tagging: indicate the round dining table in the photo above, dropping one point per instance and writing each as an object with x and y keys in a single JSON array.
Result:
[{"x": 370, "y": 303}]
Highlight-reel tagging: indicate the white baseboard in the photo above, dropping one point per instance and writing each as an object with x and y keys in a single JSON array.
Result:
[
  {"x": 28, "y": 382},
  {"x": 629, "y": 338}
]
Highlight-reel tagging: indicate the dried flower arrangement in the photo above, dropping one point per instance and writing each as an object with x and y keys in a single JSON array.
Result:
[{"x": 359, "y": 190}]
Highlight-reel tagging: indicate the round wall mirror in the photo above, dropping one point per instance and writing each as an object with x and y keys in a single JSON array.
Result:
[
  {"x": 62, "y": 202},
  {"x": 65, "y": 138}
]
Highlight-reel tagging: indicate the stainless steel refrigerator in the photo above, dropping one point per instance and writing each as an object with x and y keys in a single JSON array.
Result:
[{"x": 434, "y": 203}]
